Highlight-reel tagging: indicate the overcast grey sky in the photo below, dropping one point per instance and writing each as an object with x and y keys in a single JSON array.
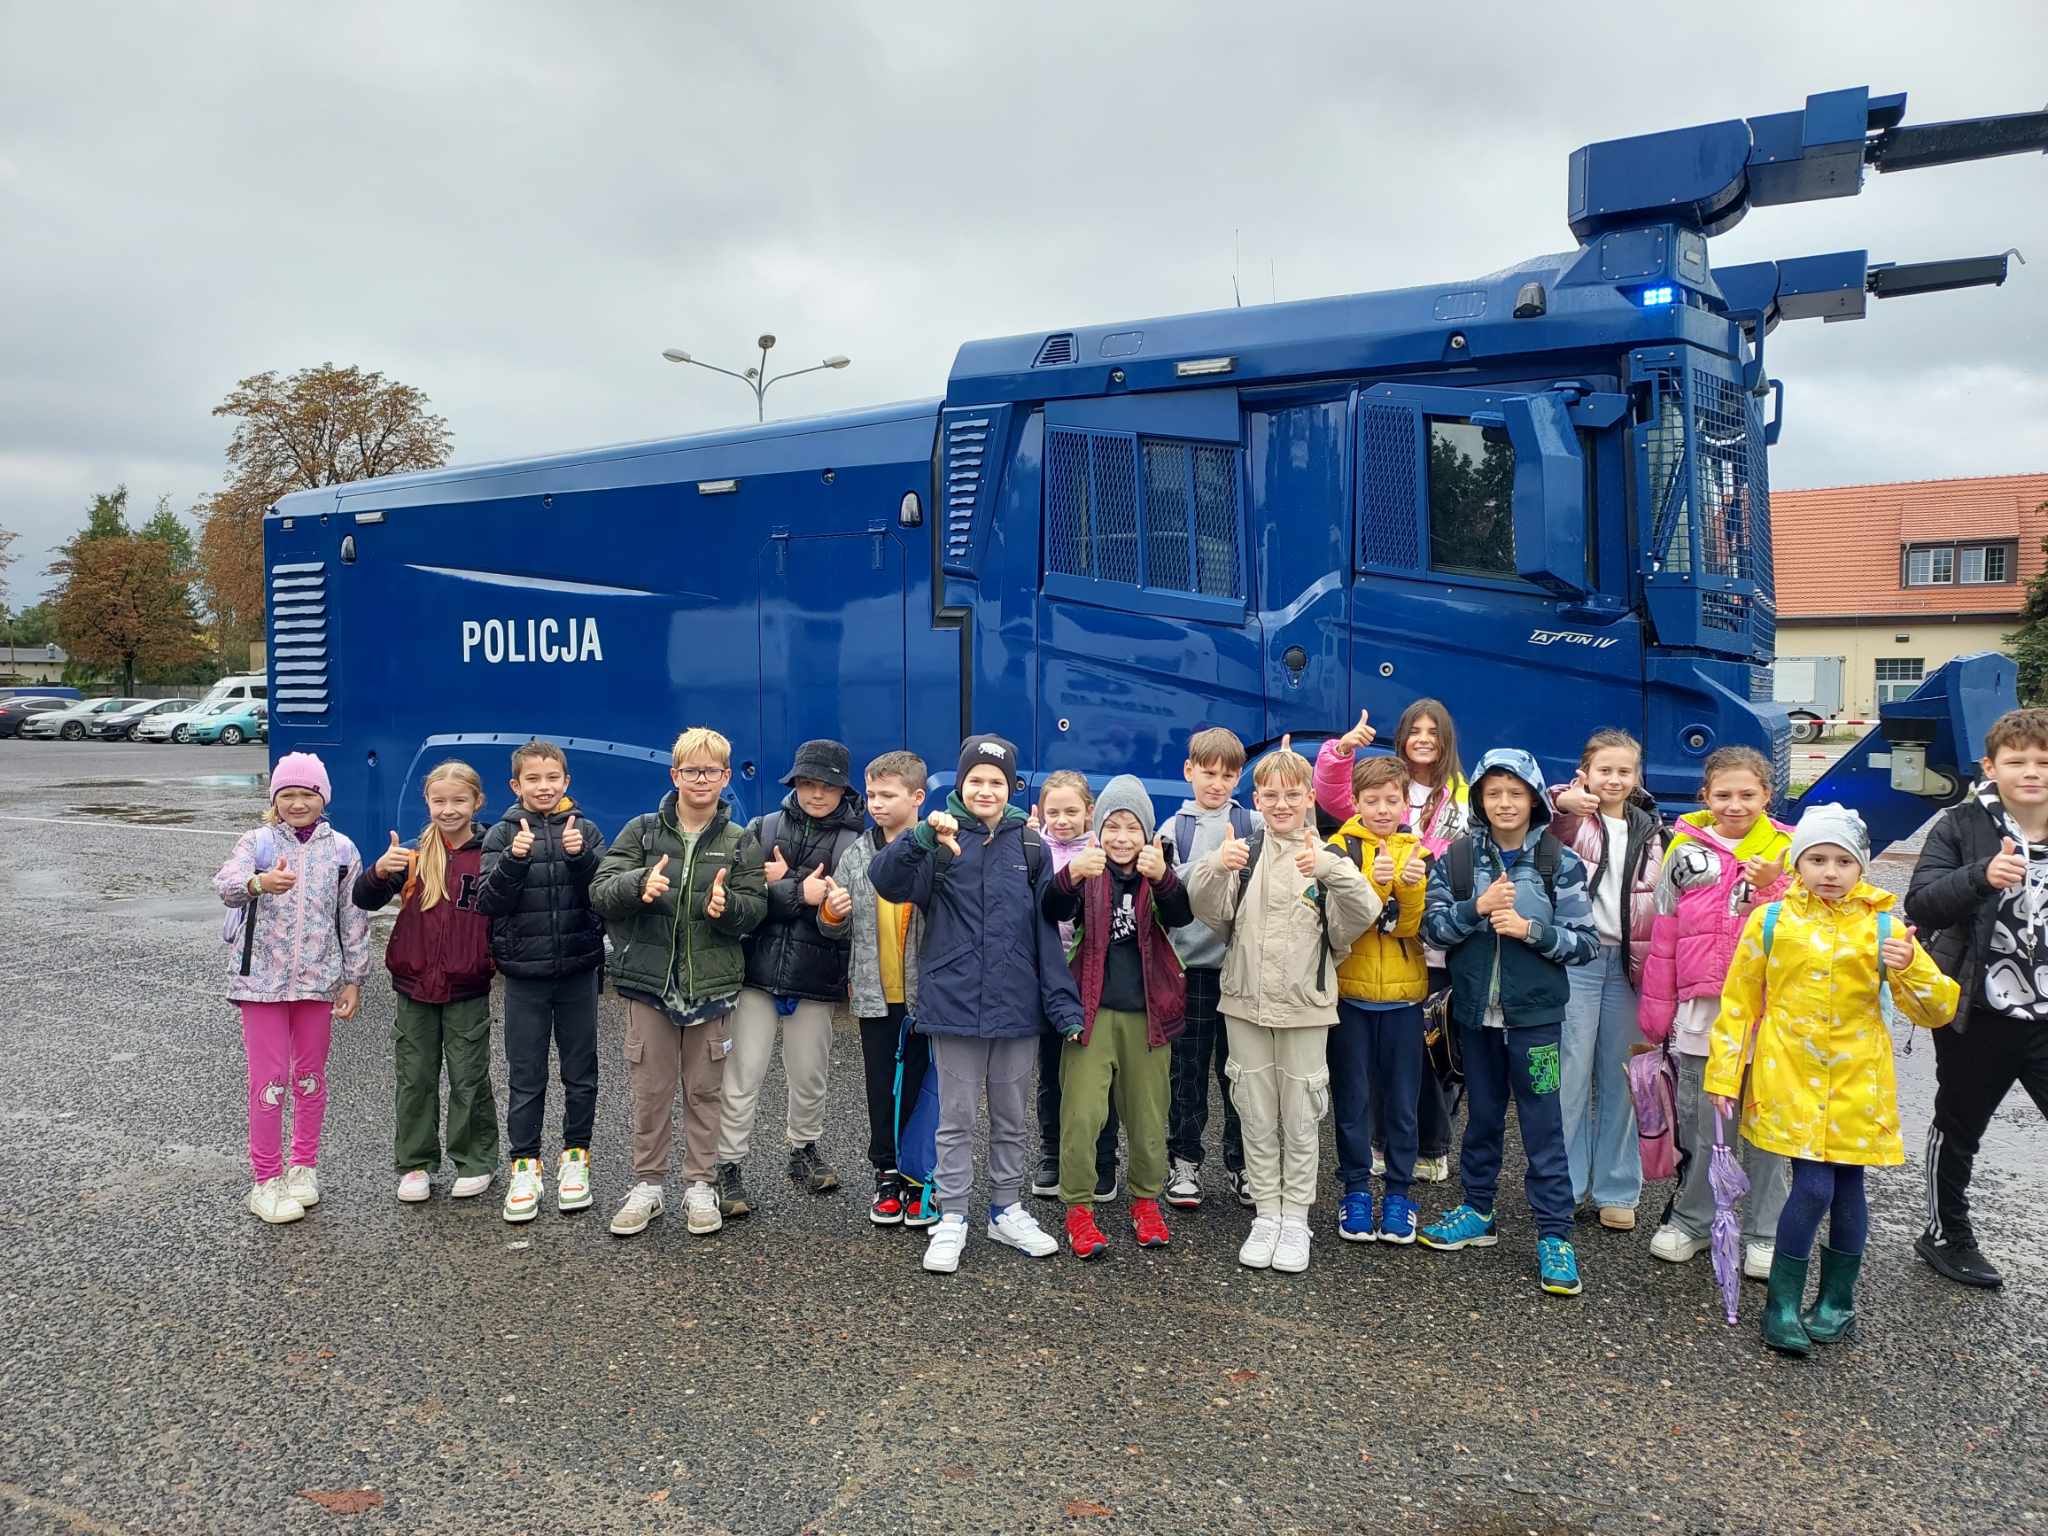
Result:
[{"x": 515, "y": 207}]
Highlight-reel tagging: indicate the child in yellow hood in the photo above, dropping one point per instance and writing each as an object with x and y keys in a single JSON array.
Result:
[{"x": 1804, "y": 1000}]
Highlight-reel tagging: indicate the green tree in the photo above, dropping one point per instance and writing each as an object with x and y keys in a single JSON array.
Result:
[
  {"x": 169, "y": 530},
  {"x": 122, "y": 604},
  {"x": 33, "y": 625},
  {"x": 7, "y": 558},
  {"x": 2029, "y": 642},
  {"x": 108, "y": 516}
]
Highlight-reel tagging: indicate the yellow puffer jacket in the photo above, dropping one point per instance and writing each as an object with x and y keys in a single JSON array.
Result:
[
  {"x": 1821, "y": 1084},
  {"x": 1386, "y": 964}
]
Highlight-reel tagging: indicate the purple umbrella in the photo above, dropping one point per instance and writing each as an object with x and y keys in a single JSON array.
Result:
[{"x": 1729, "y": 1183}]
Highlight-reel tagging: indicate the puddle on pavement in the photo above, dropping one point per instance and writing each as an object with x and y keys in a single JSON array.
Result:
[
  {"x": 167, "y": 909},
  {"x": 201, "y": 781},
  {"x": 137, "y": 815}
]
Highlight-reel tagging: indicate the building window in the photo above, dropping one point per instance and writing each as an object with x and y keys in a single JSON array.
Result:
[
  {"x": 1969, "y": 564},
  {"x": 1930, "y": 567},
  {"x": 1985, "y": 563},
  {"x": 1898, "y": 676}
]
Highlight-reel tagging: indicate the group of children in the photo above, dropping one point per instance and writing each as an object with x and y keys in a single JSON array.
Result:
[{"x": 1375, "y": 926}]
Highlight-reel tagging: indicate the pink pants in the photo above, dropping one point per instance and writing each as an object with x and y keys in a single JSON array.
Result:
[{"x": 287, "y": 1045}]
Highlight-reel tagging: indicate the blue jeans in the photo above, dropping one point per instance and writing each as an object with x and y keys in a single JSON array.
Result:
[
  {"x": 1376, "y": 1060},
  {"x": 1599, "y": 1115},
  {"x": 1521, "y": 1064}
]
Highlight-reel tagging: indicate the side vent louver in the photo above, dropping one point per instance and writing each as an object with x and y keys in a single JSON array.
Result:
[
  {"x": 1055, "y": 350},
  {"x": 298, "y": 639},
  {"x": 971, "y": 467}
]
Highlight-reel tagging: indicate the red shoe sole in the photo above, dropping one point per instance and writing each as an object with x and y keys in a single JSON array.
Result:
[
  {"x": 1093, "y": 1251},
  {"x": 1155, "y": 1242}
]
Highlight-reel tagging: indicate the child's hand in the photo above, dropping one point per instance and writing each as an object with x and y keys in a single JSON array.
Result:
[
  {"x": 946, "y": 830},
  {"x": 522, "y": 840},
  {"x": 1496, "y": 896},
  {"x": 1896, "y": 952},
  {"x": 1034, "y": 821},
  {"x": 1577, "y": 800},
  {"x": 276, "y": 880},
  {"x": 1152, "y": 859},
  {"x": 347, "y": 1000},
  {"x": 1383, "y": 866},
  {"x": 656, "y": 883},
  {"x": 2006, "y": 869},
  {"x": 1510, "y": 924},
  {"x": 1763, "y": 873},
  {"x": 1090, "y": 861},
  {"x": 838, "y": 900},
  {"x": 775, "y": 867},
  {"x": 396, "y": 859},
  {"x": 1360, "y": 735},
  {"x": 572, "y": 838},
  {"x": 1236, "y": 852},
  {"x": 1723, "y": 1105},
  {"x": 1305, "y": 859},
  {"x": 714, "y": 902},
  {"x": 813, "y": 888},
  {"x": 1415, "y": 871}
]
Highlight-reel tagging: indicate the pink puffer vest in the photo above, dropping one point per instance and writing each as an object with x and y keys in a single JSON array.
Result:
[{"x": 1698, "y": 924}]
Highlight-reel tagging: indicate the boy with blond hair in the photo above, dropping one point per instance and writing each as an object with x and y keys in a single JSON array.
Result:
[
  {"x": 1288, "y": 906},
  {"x": 680, "y": 889}
]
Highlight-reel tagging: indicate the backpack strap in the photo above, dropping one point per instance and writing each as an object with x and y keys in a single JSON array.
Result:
[
  {"x": 1770, "y": 926},
  {"x": 1034, "y": 855},
  {"x": 1884, "y": 933},
  {"x": 1458, "y": 868},
  {"x": 1240, "y": 820},
  {"x": 1183, "y": 834},
  {"x": 1256, "y": 845},
  {"x": 1549, "y": 852}
]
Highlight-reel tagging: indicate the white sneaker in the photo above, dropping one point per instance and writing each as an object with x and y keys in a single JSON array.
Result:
[
  {"x": 303, "y": 1185},
  {"x": 572, "y": 1181},
  {"x": 642, "y": 1205},
  {"x": 1756, "y": 1260},
  {"x": 1184, "y": 1184},
  {"x": 942, "y": 1248},
  {"x": 1379, "y": 1163},
  {"x": 415, "y": 1187},
  {"x": 1257, "y": 1252},
  {"x": 1674, "y": 1245},
  {"x": 526, "y": 1191},
  {"x": 1290, "y": 1254},
  {"x": 1014, "y": 1225},
  {"x": 469, "y": 1186},
  {"x": 270, "y": 1201},
  {"x": 700, "y": 1207},
  {"x": 1434, "y": 1170}
]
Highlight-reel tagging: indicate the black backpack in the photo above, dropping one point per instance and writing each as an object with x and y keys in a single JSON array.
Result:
[{"x": 1458, "y": 865}]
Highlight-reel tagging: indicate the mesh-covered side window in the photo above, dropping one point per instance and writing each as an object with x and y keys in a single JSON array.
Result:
[
  {"x": 1150, "y": 512},
  {"x": 1388, "y": 534}
]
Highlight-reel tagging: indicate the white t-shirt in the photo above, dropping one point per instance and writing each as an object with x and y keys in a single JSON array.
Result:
[{"x": 1610, "y": 900}]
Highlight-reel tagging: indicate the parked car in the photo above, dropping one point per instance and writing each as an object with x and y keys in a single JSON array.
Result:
[
  {"x": 16, "y": 711},
  {"x": 120, "y": 725},
  {"x": 70, "y": 723},
  {"x": 177, "y": 725},
  {"x": 230, "y": 724}
]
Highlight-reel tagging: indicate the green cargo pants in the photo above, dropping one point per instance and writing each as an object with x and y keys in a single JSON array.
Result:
[
  {"x": 1116, "y": 1060},
  {"x": 422, "y": 1037}
]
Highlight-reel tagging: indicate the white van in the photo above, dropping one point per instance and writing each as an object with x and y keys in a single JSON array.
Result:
[{"x": 176, "y": 725}]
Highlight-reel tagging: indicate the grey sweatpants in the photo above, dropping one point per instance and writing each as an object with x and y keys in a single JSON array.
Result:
[
  {"x": 965, "y": 1066},
  {"x": 1770, "y": 1176}
]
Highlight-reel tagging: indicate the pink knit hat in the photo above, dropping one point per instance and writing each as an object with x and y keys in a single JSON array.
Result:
[{"x": 301, "y": 770}]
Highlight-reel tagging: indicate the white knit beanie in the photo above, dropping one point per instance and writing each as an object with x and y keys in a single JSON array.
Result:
[{"x": 1834, "y": 826}]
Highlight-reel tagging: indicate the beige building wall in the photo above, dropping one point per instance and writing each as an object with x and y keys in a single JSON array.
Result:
[{"x": 1932, "y": 642}]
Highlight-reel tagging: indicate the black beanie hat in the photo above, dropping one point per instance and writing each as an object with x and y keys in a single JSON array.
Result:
[{"x": 992, "y": 751}]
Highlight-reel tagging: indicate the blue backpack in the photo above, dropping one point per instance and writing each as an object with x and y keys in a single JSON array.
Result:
[
  {"x": 1884, "y": 987},
  {"x": 917, "y": 1147}
]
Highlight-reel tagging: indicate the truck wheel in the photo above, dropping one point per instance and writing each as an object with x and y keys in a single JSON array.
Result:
[{"x": 1806, "y": 728}]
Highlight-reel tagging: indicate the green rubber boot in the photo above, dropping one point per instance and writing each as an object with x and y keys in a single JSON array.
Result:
[
  {"x": 1833, "y": 1313},
  {"x": 1783, "y": 1331}
]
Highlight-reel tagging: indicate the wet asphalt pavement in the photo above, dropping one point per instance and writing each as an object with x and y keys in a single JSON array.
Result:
[{"x": 176, "y": 1366}]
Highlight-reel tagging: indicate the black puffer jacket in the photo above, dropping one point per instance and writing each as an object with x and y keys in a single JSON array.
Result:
[
  {"x": 1952, "y": 903},
  {"x": 542, "y": 925},
  {"x": 788, "y": 954}
]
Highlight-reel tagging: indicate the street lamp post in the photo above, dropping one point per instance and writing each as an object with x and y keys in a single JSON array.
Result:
[{"x": 755, "y": 379}]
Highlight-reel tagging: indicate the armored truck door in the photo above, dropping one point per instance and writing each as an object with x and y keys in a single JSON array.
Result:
[{"x": 1298, "y": 482}]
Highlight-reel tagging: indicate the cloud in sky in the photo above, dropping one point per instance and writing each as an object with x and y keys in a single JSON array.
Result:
[{"x": 515, "y": 207}]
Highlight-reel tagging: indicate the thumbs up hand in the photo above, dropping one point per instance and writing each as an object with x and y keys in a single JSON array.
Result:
[
  {"x": 1497, "y": 896},
  {"x": 714, "y": 901},
  {"x": 814, "y": 887},
  {"x": 1383, "y": 866},
  {"x": 1415, "y": 871},
  {"x": 1090, "y": 861},
  {"x": 1235, "y": 853},
  {"x": 572, "y": 838},
  {"x": 775, "y": 867},
  {"x": 395, "y": 860},
  {"x": 2006, "y": 869},
  {"x": 522, "y": 840},
  {"x": 1897, "y": 951},
  {"x": 1575, "y": 799},
  {"x": 1034, "y": 821},
  {"x": 1360, "y": 735},
  {"x": 1763, "y": 873},
  {"x": 656, "y": 883},
  {"x": 1305, "y": 858},
  {"x": 277, "y": 879},
  {"x": 946, "y": 830},
  {"x": 1152, "y": 859},
  {"x": 838, "y": 900}
]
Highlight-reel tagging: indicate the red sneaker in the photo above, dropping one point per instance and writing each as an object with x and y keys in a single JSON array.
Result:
[
  {"x": 887, "y": 1210},
  {"x": 1150, "y": 1225},
  {"x": 1083, "y": 1235},
  {"x": 919, "y": 1209}
]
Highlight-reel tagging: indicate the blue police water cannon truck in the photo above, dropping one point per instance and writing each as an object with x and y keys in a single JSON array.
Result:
[{"x": 1541, "y": 496}]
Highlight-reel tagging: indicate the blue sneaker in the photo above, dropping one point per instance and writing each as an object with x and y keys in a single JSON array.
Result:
[
  {"x": 1397, "y": 1219},
  {"x": 1354, "y": 1218},
  {"x": 1559, "y": 1266},
  {"x": 1460, "y": 1228}
]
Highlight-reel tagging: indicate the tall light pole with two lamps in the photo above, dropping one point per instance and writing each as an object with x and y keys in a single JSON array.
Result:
[{"x": 755, "y": 379}]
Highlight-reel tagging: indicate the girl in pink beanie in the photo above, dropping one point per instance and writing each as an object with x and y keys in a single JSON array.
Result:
[{"x": 299, "y": 949}]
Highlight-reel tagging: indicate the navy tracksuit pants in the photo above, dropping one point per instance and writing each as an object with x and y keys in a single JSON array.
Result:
[
  {"x": 1519, "y": 1064},
  {"x": 1376, "y": 1064}
]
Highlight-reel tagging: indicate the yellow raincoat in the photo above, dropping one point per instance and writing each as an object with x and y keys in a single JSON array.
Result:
[{"x": 1821, "y": 1084}]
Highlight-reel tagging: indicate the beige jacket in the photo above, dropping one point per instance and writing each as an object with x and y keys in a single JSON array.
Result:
[{"x": 1273, "y": 940}]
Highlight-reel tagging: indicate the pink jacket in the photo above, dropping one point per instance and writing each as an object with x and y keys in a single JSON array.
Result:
[
  {"x": 1702, "y": 902},
  {"x": 1585, "y": 836},
  {"x": 311, "y": 939}
]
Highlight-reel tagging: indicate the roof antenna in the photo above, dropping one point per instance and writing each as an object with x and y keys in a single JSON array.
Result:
[{"x": 1236, "y": 266}]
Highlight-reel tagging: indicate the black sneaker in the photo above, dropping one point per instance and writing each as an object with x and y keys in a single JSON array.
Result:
[
  {"x": 1240, "y": 1188},
  {"x": 1105, "y": 1184},
  {"x": 732, "y": 1194},
  {"x": 1046, "y": 1182},
  {"x": 1958, "y": 1260},
  {"x": 811, "y": 1170}
]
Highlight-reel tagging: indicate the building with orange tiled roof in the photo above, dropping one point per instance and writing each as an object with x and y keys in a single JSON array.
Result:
[{"x": 1898, "y": 579}]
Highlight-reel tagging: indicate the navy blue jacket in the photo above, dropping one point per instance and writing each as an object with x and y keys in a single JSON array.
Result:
[{"x": 991, "y": 965}]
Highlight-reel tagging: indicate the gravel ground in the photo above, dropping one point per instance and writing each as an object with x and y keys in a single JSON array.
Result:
[{"x": 178, "y": 1367}]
